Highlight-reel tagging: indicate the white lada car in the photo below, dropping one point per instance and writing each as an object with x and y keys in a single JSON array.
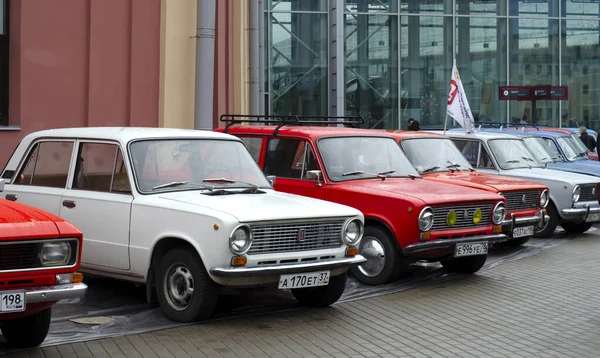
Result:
[
  {"x": 574, "y": 198},
  {"x": 185, "y": 212}
]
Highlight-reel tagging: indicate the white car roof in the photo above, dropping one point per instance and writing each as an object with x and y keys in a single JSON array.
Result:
[
  {"x": 126, "y": 134},
  {"x": 477, "y": 134}
]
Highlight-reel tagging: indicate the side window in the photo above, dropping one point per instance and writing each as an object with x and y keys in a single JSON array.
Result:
[
  {"x": 47, "y": 165},
  {"x": 253, "y": 144},
  {"x": 289, "y": 158},
  {"x": 100, "y": 167},
  {"x": 469, "y": 148},
  {"x": 485, "y": 161}
]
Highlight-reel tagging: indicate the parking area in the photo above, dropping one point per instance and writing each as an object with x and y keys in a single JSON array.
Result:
[{"x": 539, "y": 300}]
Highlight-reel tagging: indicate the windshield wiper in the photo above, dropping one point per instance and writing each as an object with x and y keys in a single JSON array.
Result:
[
  {"x": 386, "y": 173},
  {"x": 171, "y": 184},
  {"x": 528, "y": 159},
  {"x": 356, "y": 172},
  {"x": 452, "y": 165},
  {"x": 229, "y": 180},
  {"x": 513, "y": 161},
  {"x": 430, "y": 169}
]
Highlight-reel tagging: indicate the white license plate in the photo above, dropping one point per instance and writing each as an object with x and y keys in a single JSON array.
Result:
[
  {"x": 13, "y": 301},
  {"x": 302, "y": 280},
  {"x": 471, "y": 249},
  {"x": 593, "y": 218},
  {"x": 522, "y": 231}
]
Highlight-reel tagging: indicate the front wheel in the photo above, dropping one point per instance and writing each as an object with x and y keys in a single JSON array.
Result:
[
  {"x": 185, "y": 291},
  {"x": 547, "y": 231},
  {"x": 383, "y": 260},
  {"x": 466, "y": 265},
  {"x": 579, "y": 228},
  {"x": 29, "y": 331},
  {"x": 322, "y": 296}
]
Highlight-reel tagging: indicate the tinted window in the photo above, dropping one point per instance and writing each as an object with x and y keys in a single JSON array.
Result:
[
  {"x": 47, "y": 165},
  {"x": 289, "y": 158}
]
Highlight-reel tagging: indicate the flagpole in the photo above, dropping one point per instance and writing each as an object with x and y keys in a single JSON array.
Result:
[{"x": 445, "y": 121}]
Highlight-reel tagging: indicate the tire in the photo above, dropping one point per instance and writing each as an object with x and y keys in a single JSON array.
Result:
[
  {"x": 466, "y": 265},
  {"x": 576, "y": 228},
  {"x": 548, "y": 230},
  {"x": 29, "y": 331},
  {"x": 516, "y": 242},
  {"x": 179, "y": 269},
  {"x": 322, "y": 296},
  {"x": 383, "y": 259}
]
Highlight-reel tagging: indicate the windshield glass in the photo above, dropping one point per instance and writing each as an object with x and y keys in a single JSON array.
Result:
[
  {"x": 582, "y": 147},
  {"x": 349, "y": 158},
  {"x": 191, "y": 162},
  {"x": 434, "y": 155},
  {"x": 513, "y": 154},
  {"x": 543, "y": 151},
  {"x": 571, "y": 151}
]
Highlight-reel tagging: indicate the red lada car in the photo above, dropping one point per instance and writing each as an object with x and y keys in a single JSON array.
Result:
[
  {"x": 39, "y": 258},
  {"x": 437, "y": 159},
  {"x": 406, "y": 218}
]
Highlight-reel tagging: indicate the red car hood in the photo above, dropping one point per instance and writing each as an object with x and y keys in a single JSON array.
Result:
[
  {"x": 18, "y": 221},
  {"x": 483, "y": 181},
  {"x": 430, "y": 193}
]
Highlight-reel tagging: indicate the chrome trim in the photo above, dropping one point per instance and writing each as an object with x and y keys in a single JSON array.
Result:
[
  {"x": 420, "y": 216},
  {"x": 296, "y": 267},
  {"x": 494, "y": 213},
  {"x": 450, "y": 243},
  {"x": 250, "y": 237},
  {"x": 299, "y": 220},
  {"x": 547, "y": 198},
  {"x": 513, "y": 222},
  {"x": 580, "y": 213},
  {"x": 43, "y": 268},
  {"x": 361, "y": 227},
  {"x": 54, "y": 293}
]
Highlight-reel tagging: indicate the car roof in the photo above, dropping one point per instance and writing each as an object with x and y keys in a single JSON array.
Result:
[
  {"x": 404, "y": 134},
  {"x": 126, "y": 134},
  {"x": 528, "y": 133},
  {"x": 478, "y": 134},
  {"x": 312, "y": 132}
]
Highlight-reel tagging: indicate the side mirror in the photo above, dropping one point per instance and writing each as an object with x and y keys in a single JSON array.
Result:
[
  {"x": 1, "y": 185},
  {"x": 271, "y": 179},
  {"x": 314, "y": 175}
]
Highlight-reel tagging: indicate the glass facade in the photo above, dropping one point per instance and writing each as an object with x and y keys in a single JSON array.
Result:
[{"x": 397, "y": 56}]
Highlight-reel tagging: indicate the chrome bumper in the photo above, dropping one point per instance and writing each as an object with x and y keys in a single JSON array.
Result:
[
  {"x": 450, "y": 243},
  {"x": 539, "y": 219},
  {"x": 55, "y": 293},
  {"x": 579, "y": 214},
  {"x": 296, "y": 267}
]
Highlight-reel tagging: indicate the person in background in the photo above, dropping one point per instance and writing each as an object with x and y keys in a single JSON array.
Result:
[
  {"x": 414, "y": 126},
  {"x": 410, "y": 121},
  {"x": 587, "y": 139}
]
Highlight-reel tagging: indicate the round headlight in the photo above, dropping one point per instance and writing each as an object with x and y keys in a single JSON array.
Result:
[
  {"x": 240, "y": 240},
  {"x": 544, "y": 198},
  {"x": 576, "y": 193},
  {"x": 499, "y": 213},
  {"x": 451, "y": 218},
  {"x": 426, "y": 219},
  {"x": 352, "y": 232},
  {"x": 477, "y": 216}
]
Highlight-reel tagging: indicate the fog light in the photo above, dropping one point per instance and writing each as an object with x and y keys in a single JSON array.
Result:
[
  {"x": 497, "y": 229},
  {"x": 238, "y": 260},
  {"x": 64, "y": 279},
  {"x": 477, "y": 216},
  {"x": 451, "y": 218},
  {"x": 351, "y": 251}
]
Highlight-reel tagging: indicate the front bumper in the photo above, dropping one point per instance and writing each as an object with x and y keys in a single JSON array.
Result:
[
  {"x": 277, "y": 269},
  {"x": 40, "y": 294},
  {"x": 539, "y": 220},
  {"x": 579, "y": 214},
  {"x": 451, "y": 243}
]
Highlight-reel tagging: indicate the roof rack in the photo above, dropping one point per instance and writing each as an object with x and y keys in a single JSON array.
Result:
[
  {"x": 281, "y": 121},
  {"x": 502, "y": 125}
]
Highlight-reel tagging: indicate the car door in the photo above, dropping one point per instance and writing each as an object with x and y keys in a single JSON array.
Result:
[
  {"x": 477, "y": 155},
  {"x": 293, "y": 163},
  {"x": 98, "y": 201},
  {"x": 42, "y": 177}
]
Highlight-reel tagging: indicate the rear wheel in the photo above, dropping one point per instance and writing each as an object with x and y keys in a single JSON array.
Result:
[
  {"x": 383, "y": 259},
  {"x": 573, "y": 228},
  {"x": 466, "y": 265},
  {"x": 29, "y": 331},
  {"x": 322, "y": 296},
  {"x": 550, "y": 227}
]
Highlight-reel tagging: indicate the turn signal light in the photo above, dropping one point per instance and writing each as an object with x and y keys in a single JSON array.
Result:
[
  {"x": 351, "y": 251},
  {"x": 77, "y": 277},
  {"x": 238, "y": 260},
  {"x": 425, "y": 236},
  {"x": 497, "y": 229}
]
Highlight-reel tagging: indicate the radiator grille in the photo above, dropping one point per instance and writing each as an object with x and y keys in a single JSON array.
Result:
[
  {"x": 588, "y": 192},
  {"x": 522, "y": 200},
  {"x": 464, "y": 216}
]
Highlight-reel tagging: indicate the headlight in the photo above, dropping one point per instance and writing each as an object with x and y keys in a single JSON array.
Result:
[
  {"x": 55, "y": 253},
  {"x": 576, "y": 193},
  {"x": 544, "y": 198},
  {"x": 499, "y": 213},
  {"x": 426, "y": 219},
  {"x": 352, "y": 233},
  {"x": 240, "y": 240}
]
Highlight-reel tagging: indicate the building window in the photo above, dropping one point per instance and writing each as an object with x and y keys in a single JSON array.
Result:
[{"x": 4, "y": 15}]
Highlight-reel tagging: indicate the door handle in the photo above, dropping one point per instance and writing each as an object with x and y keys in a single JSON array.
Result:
[
  {"x": 68, "y": 204},
  {"x": 11, "y": 197}
]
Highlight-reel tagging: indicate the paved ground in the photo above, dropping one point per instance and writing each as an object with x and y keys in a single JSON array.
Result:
[{"x": 546, "y": 305}]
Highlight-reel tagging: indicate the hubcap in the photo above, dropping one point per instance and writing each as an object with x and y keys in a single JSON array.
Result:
[
  {"x": 372, "y": 249},
  {"x": 179, "y": 287}
]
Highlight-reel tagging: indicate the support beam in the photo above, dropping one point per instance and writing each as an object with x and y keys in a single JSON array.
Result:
[
  {"x": 205, "y": 64},
  {"x": 255, "y": 48}
]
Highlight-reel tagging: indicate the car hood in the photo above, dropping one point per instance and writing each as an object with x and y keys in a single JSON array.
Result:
[
  {"x": 483, "y": 181},
  {"x": 18, "y": 221},
  {"x": 272, "y": 205},
  {"x": 588, "y": 167},
  {"x": 551, "y": 174},
  {"x": 430, "y": 193}
]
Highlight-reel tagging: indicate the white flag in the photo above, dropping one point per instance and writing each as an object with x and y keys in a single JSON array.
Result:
[{"x": 458, "y": 106}]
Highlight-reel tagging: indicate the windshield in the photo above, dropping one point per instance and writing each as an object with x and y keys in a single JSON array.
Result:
[
  {"x": 434, "y": 155},
  {"x": 543, "y": 151},
  {"x": 571, "y": 150},
  {"x": 349, "y": 158},
  {"x": 582, "y": 147},
  {"x": 513, "y": 154},
  {"x": 185, "y": 164}
]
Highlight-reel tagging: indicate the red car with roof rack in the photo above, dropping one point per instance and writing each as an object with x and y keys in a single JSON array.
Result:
[
  {"x": 406, "y": 218},
  {"x": 437, "y": 159},
  {"x": 40, "y": 254}
]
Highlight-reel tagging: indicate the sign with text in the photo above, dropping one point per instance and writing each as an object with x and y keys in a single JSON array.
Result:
[
  {"x": 559, "y": 93},
  {"x": 514, "y": 93},
  {"x": 541, "y": 92}
]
